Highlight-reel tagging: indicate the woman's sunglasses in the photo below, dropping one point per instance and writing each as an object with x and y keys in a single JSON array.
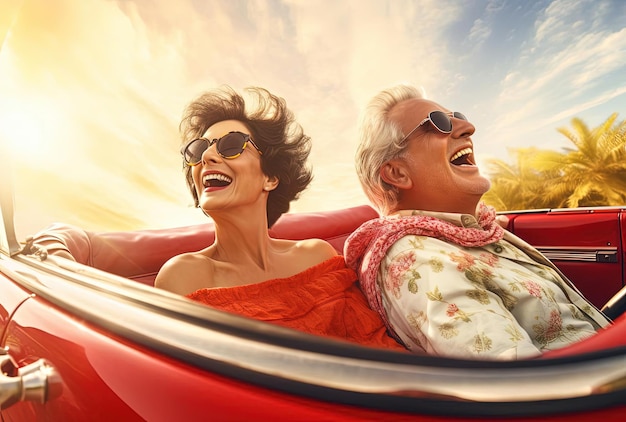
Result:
[
  {"x": 229, "y": 146},
  {"x": 440, "y": 120}
]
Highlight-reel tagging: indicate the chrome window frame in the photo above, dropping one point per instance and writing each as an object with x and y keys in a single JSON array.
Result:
[{"x": 9, "y": 244}]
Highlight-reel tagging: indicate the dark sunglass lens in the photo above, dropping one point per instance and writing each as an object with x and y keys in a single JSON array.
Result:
[
  {"x": 195, "y": 149},
  {"x": 231, "y": 144},
  {"x": 441, "y": 121},
  {"x": 459, "y": 115}
]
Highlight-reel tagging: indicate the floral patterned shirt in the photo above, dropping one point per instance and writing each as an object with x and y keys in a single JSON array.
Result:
[{"x": 492, "y": 301}]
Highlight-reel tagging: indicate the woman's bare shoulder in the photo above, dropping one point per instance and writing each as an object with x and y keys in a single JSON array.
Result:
[
  {"x": 295, "y": 256},
  {"x": 317, "y": 249},
  {"x": 181, "y": 273}
]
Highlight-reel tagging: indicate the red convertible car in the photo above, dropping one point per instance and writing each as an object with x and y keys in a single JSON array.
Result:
[{"x": 91, "y": 339}]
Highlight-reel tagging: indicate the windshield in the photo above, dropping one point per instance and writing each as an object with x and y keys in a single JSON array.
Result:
[
  {"x": 4, "y": 239},
  {"x": 92, "y": 91}
]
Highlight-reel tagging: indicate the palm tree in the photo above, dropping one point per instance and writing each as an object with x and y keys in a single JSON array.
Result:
[
  {"x": 594, "y": 173},
  {"x": 513, "y": 187}
]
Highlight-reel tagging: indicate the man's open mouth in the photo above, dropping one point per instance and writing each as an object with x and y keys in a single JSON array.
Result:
[{"x": 463, "y": 157}]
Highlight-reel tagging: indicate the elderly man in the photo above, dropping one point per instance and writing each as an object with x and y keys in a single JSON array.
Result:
[{"x": 445, "y": 277}]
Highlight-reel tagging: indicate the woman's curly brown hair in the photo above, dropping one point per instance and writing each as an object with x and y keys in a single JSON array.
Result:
[{"x": 274, "y": 129}]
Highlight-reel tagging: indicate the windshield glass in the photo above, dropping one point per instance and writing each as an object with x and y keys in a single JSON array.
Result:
[
  {"x": 4, "y": 243},
  {"x": 92, "y": 91}
]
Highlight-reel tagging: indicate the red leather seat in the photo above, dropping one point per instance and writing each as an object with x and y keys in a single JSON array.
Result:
[{"x": 139, "y": 255}]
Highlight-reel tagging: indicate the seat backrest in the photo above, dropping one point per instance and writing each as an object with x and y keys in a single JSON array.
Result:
[{"x": 140, "y": 254}]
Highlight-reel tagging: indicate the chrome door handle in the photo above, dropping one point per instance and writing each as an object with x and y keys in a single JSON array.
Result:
[{"x": 36, "y": 382}]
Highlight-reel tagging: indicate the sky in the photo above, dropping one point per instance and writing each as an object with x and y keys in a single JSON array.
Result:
[{"x": 92, "y": 91}]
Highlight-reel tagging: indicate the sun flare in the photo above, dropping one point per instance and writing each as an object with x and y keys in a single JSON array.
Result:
[{"x": 31, "y": 127}]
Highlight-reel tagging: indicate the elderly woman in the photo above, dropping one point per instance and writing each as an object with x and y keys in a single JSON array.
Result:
[
  {"x": 244, "y": 164},
  {"x": 444, "y": 276}
]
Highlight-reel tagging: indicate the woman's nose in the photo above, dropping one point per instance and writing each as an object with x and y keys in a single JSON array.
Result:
[{"x": 210, "y": 154}]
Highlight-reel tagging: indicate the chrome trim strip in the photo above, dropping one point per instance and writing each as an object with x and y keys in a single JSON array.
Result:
[
  {"x": 583, "y": 254},
  {"x": 93, "y": 294},
  {"x": 578, "y": 210}
]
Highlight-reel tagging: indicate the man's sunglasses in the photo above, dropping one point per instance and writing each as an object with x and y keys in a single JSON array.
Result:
[
  {"x": 228, "y": 146},
  {"x": 440, "y": 120}
]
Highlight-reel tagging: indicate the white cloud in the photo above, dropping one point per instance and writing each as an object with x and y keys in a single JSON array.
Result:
[
  {"x": 125, "y": 70},
  {"x": 568, "y": 66},
  {"x": 479, "y": 32}
]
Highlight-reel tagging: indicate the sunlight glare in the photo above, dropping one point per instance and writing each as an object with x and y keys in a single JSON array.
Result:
[{"x": 28, "y": 126}]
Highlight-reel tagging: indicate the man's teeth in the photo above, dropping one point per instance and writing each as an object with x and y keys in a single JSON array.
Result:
[
  {"x": 465, "y": 151},
  {"x": 213, "y": 178}
]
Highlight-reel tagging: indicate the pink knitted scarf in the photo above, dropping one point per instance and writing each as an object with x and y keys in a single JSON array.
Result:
[{"x": 367, "y": 245}]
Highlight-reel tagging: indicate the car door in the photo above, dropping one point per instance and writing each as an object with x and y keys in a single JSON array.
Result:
[
  {"x": 585, "y": 243},
  {"x": 95, "y": 375}
]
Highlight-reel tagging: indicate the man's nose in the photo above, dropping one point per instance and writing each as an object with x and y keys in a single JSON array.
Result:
[{"x": 462, "y": 128}]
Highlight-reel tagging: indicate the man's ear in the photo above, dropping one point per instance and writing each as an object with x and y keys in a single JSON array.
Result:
[
  {"x": 270, "y": 183},
  {"x": 394, "y": 173}
]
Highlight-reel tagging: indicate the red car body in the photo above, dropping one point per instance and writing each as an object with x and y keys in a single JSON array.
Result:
[
  {"x": 587, "y": 244},
  {"x": 102, "y": 344}
]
